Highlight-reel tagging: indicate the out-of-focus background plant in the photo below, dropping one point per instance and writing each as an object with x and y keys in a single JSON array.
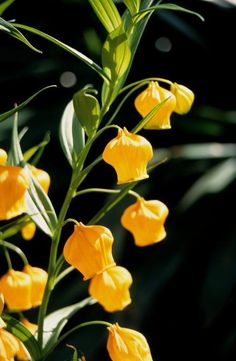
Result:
[{"x": 185, "y": 285}]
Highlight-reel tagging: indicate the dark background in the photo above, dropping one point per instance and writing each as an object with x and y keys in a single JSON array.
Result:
[{"x": 184, "y": 293}]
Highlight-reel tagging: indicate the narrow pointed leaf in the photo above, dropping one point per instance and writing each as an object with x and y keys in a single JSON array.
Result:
[
  {"x": 37, "y": 148},
  {"x": 132, "y": 5},
  {"x": 18, "y": 329},
  {"x": 11, "y": 30},
  {"x": 5, "y": 5},
  {"x": 56, "y": 321},
  {"x": 66, "y": 47},
  {"x": 142, "y": 13},
  {"x": 7, "y": 114},
  {"x": 71, "y": 133},
  {"x": 107, "y": 13}
]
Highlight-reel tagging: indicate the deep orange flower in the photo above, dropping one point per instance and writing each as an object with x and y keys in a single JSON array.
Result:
[
  {"x": 89, "y": 249},
  {"x": 111, "y": 288},
  {"x": 39, "y": 279},
  {"x": 145, "y": 220},
  {"x": 13, "y": 186},
  {"x": 184, "y": 98},
  {"x": 153, "y": 95},
  {"x": 129, "y": 154},
  {"x": 125, "y": 344},
  {"x": 16, "y": 289}
]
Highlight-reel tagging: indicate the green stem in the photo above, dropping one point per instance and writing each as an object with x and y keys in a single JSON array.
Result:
[
  {"x": 7, "y": 256},
  {"x": 16, "y": 249},
  {"x": 145, "y": 81},
  {"x": 64, "y": 273},
  {"x": 105, "y": 190}
]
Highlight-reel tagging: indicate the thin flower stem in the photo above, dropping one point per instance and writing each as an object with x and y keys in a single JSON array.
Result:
[
  {"x": 16, "y": 249},
  {"x": 143, "y": 82},
  {"x": 63, "y": 274},
  {"x": 7, "y": 256},
  {"x": 104, "y": 190}
]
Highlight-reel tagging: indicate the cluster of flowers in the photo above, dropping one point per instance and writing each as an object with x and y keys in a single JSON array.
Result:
[{"x": 89, "y": 248}]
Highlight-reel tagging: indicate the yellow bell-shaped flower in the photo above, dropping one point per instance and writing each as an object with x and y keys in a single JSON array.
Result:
[
  {"x": 184, "y": 98},
  {"x": 39, "y": 279},
  {"x": 145, "y": 220},
  {"x": 129, "y": 155},
  {"x": 125, "y": 344},
  {"x": 2, "y": 323},
  {"x": 16, "y": 289},
  {"x": 22, "y": 354},
  {"x": 146, "y": 101},
  {"x": 111, "y": 288},
  {"x": 13, "y": 186},
  {"x": 89, "y": 249},
  {"x": 8, "y": 346},
  {"x": 43, "y": 178},
  {"x": 3, "y": 156}
]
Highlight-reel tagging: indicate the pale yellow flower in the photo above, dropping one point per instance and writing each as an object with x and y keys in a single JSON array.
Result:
[
  {"x": 184, "y": 98},
  {"x": 148, "y": 99},
  {"x": 39, "y": 279}
]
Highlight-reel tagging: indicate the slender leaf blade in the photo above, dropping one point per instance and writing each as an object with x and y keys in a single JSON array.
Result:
[
  {"x": 132, "y": 5},
  {"x": 5, "y": 5},
  {"x": 19, "y": 330},
  {"x": 107, "y": 13},
  {"x": 11, "y": 112}
]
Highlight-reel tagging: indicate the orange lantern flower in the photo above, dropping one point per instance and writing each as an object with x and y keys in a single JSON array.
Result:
[
  {"x": 153, "y": 95},
  {"x": 125, "y": 344},
  {"x": 129, "y": 154},
  {"x": 32, "y": 327},
  {"x": 16, "y": 289},
  {"x": 145, "y": 220},
  {"x": 89, "y": 249},
  {"x": 111, "y": 288},
  {"x": 13, "y": 186},
  {"x": 39, "y": 279},
  {"x": 184, "y": 98}
]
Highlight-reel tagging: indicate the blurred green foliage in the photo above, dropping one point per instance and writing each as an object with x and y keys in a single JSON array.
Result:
[{"x": 184, "y": 288}]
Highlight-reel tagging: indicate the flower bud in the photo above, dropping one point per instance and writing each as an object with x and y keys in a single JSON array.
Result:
[
  {"x": 16, "y": 289},
  {"x": 111, "y": 288},
  {"x": 125, "y": 344},
  {"x": 39, "y": 279},
  {"x": 129, "y": 155},
  {"x": 145, "y": 220},
  {"x": 146, "y": 101},
  {"x": 13, "y": 186},
  {"x": 184, "y": 98},
  {"x": 89, "y": 249}
]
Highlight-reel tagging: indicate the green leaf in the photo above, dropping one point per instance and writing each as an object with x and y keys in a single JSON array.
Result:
[
  {"x": 116, "y": 57},
  {"x": 40, "y": 208},
  {"x": 72, "y": 137},
  {"x": 15, "y": 155},
  {"x": 5, "y": 5},
  {"x": 56, "y": 321},
  {"x": 18, "y": 329},
  {"x": 37, "y": 148},
  {"x": 9, "y": 113},
  {"x": 66, "y": 47},
  {"x": 215, "y": 180},
  {"x": 132, "y": 5},
  {"x": 142, "y": 13},
  {"x": 11, "y": 30},
  {"x": 107, "y": 13},
  {"x": 12, "y": 228},
  {"x": 87, "y": 110}
]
